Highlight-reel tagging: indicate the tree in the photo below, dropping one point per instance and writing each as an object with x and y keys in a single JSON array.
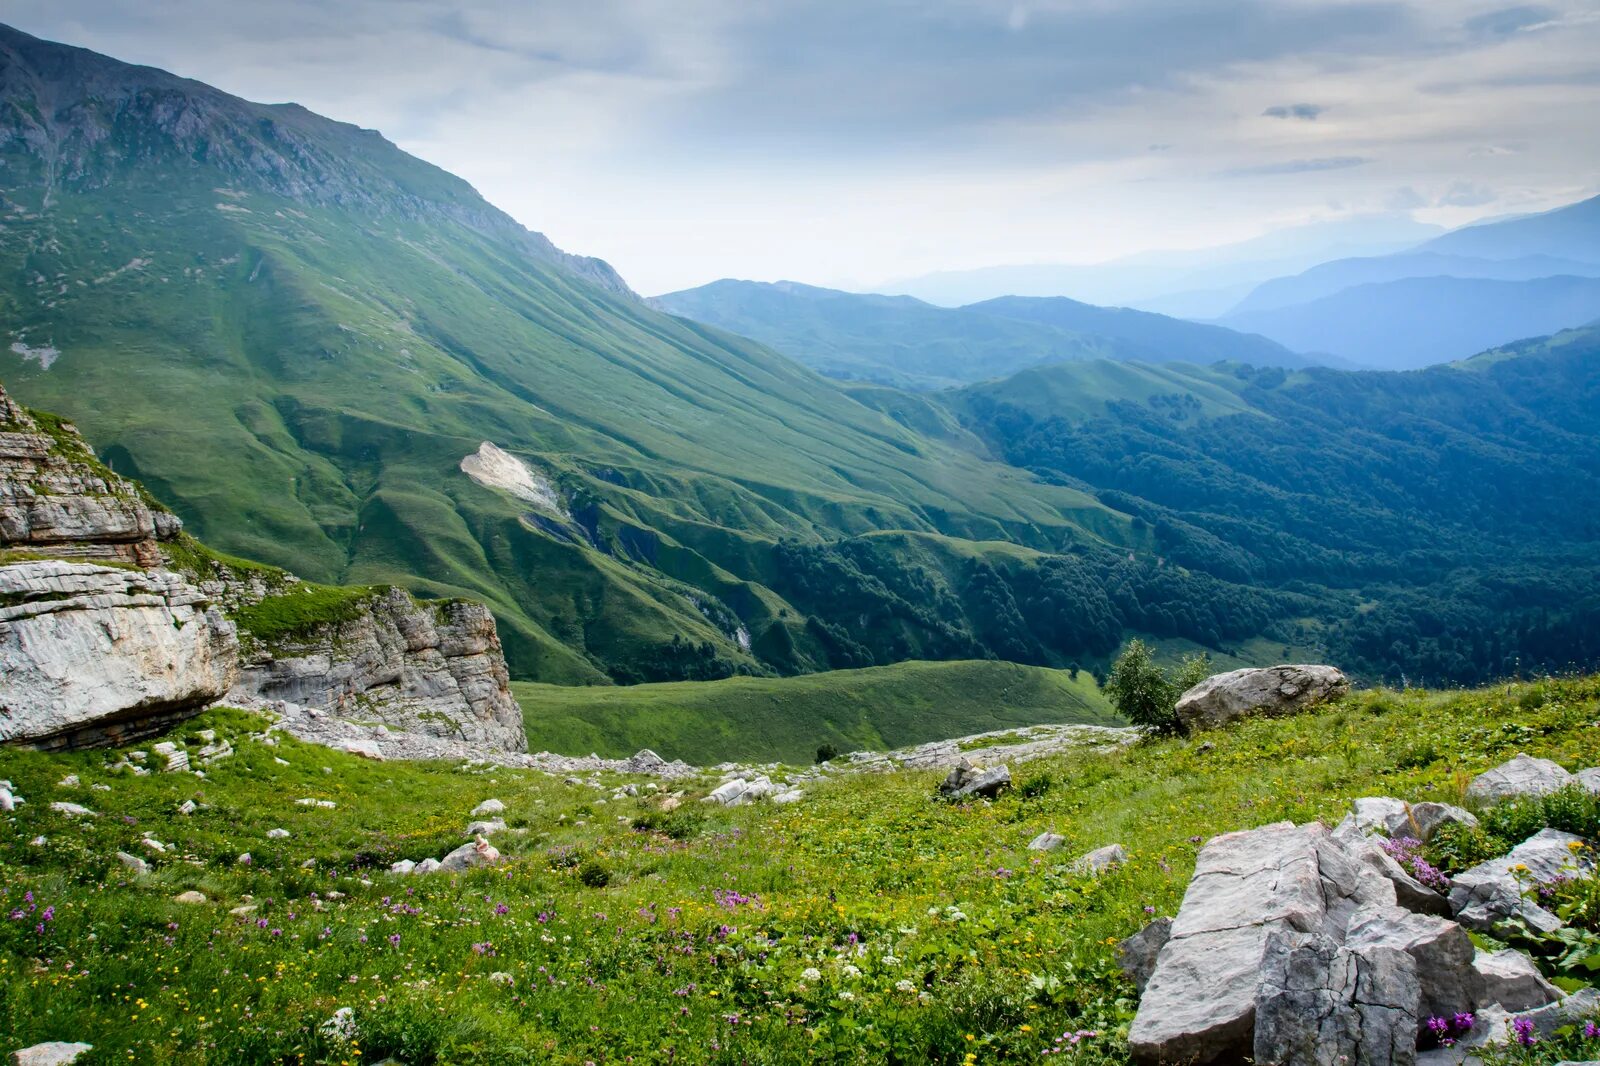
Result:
[
  {"x": 1140, "y": 691},
  {"x": 1192, "y": 670}
]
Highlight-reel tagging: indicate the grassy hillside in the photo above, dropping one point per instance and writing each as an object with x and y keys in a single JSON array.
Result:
[
  {"x": 787, "y": 719},
  {"x": 293, "y": 332},
  {"x": 866, "y": 924}
]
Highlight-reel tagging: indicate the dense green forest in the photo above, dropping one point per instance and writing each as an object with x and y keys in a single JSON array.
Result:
[{"x": 1441, "y": 523}]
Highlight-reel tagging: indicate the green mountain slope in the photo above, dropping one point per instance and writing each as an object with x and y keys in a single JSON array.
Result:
[
  {"x": 788, "y": 719},
  {"x": 901, "y": 341},
  {"x": 1438, "y": 523},
  {"x": 295, "y": 333}
]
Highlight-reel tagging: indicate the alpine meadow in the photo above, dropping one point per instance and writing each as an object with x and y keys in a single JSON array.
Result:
[{"x": 1137, "y": 601}]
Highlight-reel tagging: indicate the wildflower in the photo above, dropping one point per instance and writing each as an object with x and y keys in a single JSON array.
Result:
[
  {"x": 904, "y": 986},
  {"x": 1590, "y": 1030},
  {"x": 811, "y": 973},
  {"x": 1522, "y": 1032},
  {"x": 394, "y": 939}
]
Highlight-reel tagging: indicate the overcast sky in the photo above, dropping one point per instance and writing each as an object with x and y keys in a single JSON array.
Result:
[{"x": 854, "y": 141}]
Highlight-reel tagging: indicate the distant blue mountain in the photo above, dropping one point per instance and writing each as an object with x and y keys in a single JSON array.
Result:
[{"x": 1416, "y": 322}]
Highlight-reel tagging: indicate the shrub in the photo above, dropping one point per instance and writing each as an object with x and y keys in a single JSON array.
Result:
[
  {"x": 1036, "y": 786},
  {"x": 1144, "y": 694},
  {"x": 593, "y": 874},
  {"x": 825, "y": 753}
]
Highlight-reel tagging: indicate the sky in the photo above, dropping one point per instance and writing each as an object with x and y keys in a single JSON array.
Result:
[{"x": 853, "y": 142}]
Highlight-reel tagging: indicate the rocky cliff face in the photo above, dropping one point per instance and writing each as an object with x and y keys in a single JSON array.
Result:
[
  {"x": 93, "y": 654},
  {"x": 56, "y": 499},
  {"x": 429, "y": 668}
]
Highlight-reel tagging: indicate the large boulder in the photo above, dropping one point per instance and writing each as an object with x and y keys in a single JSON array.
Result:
[
  {"x": 96, "y": 654},
  {"x": 1270, "y": 691},
  {"x": 1200, "y": 1004},
  {"x": 1518, "y": 777}
]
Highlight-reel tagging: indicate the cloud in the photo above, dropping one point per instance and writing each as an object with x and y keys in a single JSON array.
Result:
[
  {"x": 1297, "y": 166},
  {"x": 1466, "y": 194},
  {"x": 1507, "y": 21},
  {"x": 1305, "y": 112}
]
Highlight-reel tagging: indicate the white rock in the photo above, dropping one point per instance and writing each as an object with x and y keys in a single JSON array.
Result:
[
  {"x": 1100, "y": 859},
  {"x": 1511, "y": 980},
  {"x": 187, "y": 807},
  {"x": 1521, "y": 776},
  {"x": 72, "y": 810},
  {"x": 487, "y": 808},
  {"x": 1272, "y": 691},
  {"x": 90, "y": 643},
  {"x": 485, "y": 827},
  {"x": 70, "y": 781},
  {"x": 1492, "y": 892},
  {"x": 277, "y": 834},
  {"x": 367, "y": 749},
  {"x": 50, "y": 1053},
  {"x": 404, "y": 866},
  {"x": 478, "y": 853},
  {"x": 342, "y": 1026},
  {"x": 133, "y": 863},
  {"x": 190, "y": 896}
]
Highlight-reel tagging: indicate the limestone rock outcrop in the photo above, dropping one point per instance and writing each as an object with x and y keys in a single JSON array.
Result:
[
  {"x": 434, "y": 669},
  {"x": 1271, "y": 691},
  {"x": 56, "y": 499},
  {"x": 94, "y": 654}
]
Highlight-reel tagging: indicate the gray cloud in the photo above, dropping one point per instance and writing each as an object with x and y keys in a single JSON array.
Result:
[
  {"x": 1304, "y": 112},
  {"x": 1506, "y": 21},
  {"x": 1297, "y": 166}
]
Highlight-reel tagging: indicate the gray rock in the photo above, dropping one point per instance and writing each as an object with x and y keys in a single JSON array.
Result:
[
  {"x": 1100, "y": 860},
  {"x": 50, "y": 1053},
  {"x": 404, "y": 866},
  {"x": 1046, "y": 842},
  {"x": 1272, "y": 691},
  {"x": 1443, "y": 952},
  {"x": 427, "y": 866},
  {"x": 427, "y": 669},
  {"x": 1375, "y": 814},
  {"x": 1521, "y": 776},
  {"x": 1137, "y": 954},
  {"x": 96, "y": 654},
  {"x": 1430, "y": 817},
  {"x": 728, "y": 792},
  {"x": 362, "y": 746},
  {"x": 134, "y": 864},
  {"x": 969, "y": 779},
  {"x": 1409, "y": 893},
  {"x": 486, "y": 827},
  {"x": 478, "y": 853},
  {"x": 1510, "y": 980},
  {"x": 277, "y": 834},
  {"x": 190, "y": 896},
  {"x": 1492, "y": 891},
  {"x": 1320, "y": 1003},
  {"x": 488, "y": 808},
  {"x": 1582, "y": 1004},
  {"x": 1200, "y": 1004},
  {"x": 1589, "y": 779},
  {"x": 793, "y": 795}
]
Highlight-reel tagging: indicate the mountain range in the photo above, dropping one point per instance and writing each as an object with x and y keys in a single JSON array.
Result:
[
  {"x": 902, "y": 341},
  {"x": 329, "y": 355}
]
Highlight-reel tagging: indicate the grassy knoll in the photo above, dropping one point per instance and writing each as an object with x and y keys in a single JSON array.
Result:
[
  {"x": 787, "y": 719},
  {"x": 867, "y": 924}
]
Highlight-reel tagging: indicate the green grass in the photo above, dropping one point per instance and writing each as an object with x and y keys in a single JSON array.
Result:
[
  {"x": 934, "y": 934},
  {"x": 788, "y": 719},
  {"x": 302, "y": 610}
]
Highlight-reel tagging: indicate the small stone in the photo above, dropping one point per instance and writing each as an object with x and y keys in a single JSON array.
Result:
[
  {"x": 485, "y": 827},
  {"x": 72, "y": 810},
  {"x": 187, "y": 807},
  {"x": 1046, "y": 842},
  {"x": 367, "y": 749},
  {"x": 133, "y": 863},
  {"x": 488, "y": 807},
  {"x": 70, "y": 781},
  {"x": 404, "y": 866},
  {"x": 50, "y": 1053},
  {"x": 277, "y": 834},
  {"x": 1100, "y": 860},
  {"x": 190, "y": 896},
  {"x": 342, "y": 1026}
]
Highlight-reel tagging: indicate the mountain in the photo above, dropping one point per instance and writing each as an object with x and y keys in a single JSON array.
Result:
[
  {"x": 891, "y": 340},
  {"x": 302, "y": 338},
  {"x": 901, "y": 341},
  {"x": 1435, "y": 523},
  {"x": 1328, "y": 279},
  {"x": 1194, "y": 283},
  {"x": 1415, "y": 322},
  {"x": 1570, "y": 232},
  {"x": 1141, "y": 335}
]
